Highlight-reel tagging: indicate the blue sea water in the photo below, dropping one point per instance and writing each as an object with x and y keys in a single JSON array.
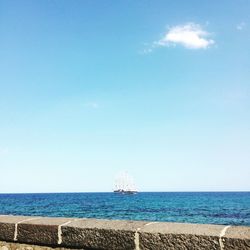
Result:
[{"x": 229, "y": 208}]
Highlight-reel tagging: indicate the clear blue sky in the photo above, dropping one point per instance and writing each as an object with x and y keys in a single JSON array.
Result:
[{"x": 158, "y": 88}]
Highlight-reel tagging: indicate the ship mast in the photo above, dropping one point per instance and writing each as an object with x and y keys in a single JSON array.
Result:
[{"x": 124, "y": 184}]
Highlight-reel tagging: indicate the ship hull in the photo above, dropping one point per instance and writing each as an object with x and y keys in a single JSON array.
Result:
[{"x": 125, "y": 192}]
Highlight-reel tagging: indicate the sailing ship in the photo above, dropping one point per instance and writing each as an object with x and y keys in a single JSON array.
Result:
[{"x": 124, "y": 184}]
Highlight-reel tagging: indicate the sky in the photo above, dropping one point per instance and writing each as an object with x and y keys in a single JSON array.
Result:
[{"x": 160, "y": 89}]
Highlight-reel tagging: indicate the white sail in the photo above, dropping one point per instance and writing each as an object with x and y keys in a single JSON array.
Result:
[{"x": 124, "y": 184}]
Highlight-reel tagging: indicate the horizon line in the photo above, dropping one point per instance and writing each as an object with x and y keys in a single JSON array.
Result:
[{"x": 82, "y": 192}]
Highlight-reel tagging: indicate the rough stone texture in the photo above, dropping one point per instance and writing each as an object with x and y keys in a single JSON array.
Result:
[
  {"x": 42, "y": 231},
  {"x": 7, "y": 226},
  {"x": 47, "y": 233},
  {"x": 179, "y": 236},
  {"x": 237, "y": 238},
  {"x": 17, "y": 246},
  {"x": 101, "y": 234},
  {"x": 173, "y": 242}
]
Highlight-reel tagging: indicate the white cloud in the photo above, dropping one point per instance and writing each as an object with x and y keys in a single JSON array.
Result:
[
  {"x": 241, "y": 26},
  {"x": 93, "y": 105},
  {"x": 189, "y": 35}
]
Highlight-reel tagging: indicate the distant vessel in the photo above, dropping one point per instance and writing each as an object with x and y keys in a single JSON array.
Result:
[{"x": 124, "y": 184}]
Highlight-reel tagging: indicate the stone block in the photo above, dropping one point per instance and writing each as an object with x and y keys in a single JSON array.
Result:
[
  {"x": 101, "y": 234},
  {"x": 237, "y": 238},
  {"x": 173, "y": 236},
  {"x": 7, "y": 226},
  {"x": 42, "y": 231}
]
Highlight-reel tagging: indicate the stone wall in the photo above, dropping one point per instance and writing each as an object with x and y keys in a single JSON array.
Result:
[{"x": 28, "y": 233}]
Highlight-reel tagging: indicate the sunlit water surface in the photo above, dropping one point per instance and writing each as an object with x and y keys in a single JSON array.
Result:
[{"x": 214, "y": 208}]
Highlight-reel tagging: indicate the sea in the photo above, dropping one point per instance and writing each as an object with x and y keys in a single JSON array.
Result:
[{"x": 227, "y": 208}]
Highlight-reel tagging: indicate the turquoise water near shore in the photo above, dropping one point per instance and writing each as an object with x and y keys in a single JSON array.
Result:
[{"x": 195, "y": 207}]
